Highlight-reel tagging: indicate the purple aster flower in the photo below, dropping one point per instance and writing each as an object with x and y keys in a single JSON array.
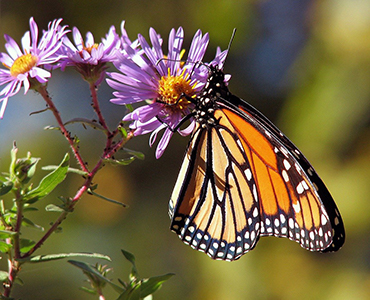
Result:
[
  {"x": 162, "y": 81},
  {"x": 26, "y": 67},
  {"x": 88, "y": 57}
]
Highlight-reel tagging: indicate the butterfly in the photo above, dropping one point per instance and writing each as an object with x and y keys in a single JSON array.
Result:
[{"x": 242, "y": 178}]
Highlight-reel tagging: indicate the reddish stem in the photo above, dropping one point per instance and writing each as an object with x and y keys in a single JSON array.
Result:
[{"x": 42, "y": 90}]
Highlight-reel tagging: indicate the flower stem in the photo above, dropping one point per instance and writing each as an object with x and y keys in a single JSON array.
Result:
[
  {"x": 96, "y": 107},
  {"x": 44, "y": 93}
]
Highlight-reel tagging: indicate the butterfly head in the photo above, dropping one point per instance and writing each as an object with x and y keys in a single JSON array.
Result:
[{"x": 216, "y": 85}]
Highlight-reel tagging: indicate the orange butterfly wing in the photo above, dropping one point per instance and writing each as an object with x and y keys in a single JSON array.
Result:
[{"x": 241, "y": 178}]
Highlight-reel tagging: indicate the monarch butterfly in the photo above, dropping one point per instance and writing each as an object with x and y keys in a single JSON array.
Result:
[{"x": 242, "y": 178}]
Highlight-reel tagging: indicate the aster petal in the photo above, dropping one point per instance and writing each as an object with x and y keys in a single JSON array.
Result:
[
  {"x": 154, "y": 134},
  {"x": 155, "y": 60},
  {"x": 26, "y": 42},
  {"x": 198, "y": 47},
  {"x": 6, "y": 60},
  {"x": 67, "y": 43},
  {"x": 9, "y": 89},
  {"x": 89, "y": 39},
  {"x": 157, "y": 51},
  {"x": 4, "y": 102},
  {"x": 187, "y": 130},
  {"x": 26, "y": 83},
  {"x": 40, "y": 74},
  {"x": 163, "y": 143},
  {"x": 34, "y": 34},
  {"x": 174, "y": 49},
  {"x": 12, "y": 47},
  {"x": 77, "y": 38}
]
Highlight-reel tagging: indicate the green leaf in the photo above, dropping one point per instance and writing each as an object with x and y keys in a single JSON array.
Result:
[
  {"x": 49, "y": 182},
  {"x": 88, "y": 122},
  {"x": 49, "y": 257},
  {"x": 27, "y": 209},
  {"x": 49, "y": 127},
  {"x": 32, "y": 168},
  {"x": 87, "y": 268},
  {"x": 131, "y": 258},
  {"x": 26, "y": 245},
  {"x": 123, "y": 131},
  {"x": 3, "y": 276},
  {"x": 6, "y": 233},
  {"x": 70, "y": 170},
  {"x": 28, "y": 223},
  {"x": 91, "y": 192},
  {"x": 131, "y": 293},
  {"x": 129, "y": 107},
  {"x": 121, "y": 162},
  {"x": 5, "y": 187},
  {"x": 134, "y": 153},
  {"x": 90, "y": 291},
  {"x": 150, "y": 285},
  {"x": 13, "y": 155},
  {"x": 53, "y": 207},
  {"x": 5, "y": 247}
]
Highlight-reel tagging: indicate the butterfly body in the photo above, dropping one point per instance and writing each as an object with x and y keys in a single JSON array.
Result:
[{"x": 242, "y": 178}]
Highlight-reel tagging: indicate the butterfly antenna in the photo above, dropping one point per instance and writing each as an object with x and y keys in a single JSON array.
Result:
[{"x": 230, "y": 42}]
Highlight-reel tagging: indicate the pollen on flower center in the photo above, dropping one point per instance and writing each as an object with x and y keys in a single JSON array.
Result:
[
  {"x": 172, "y": 89},
  {"x": 88, "y": 48},
  {"x": 23, "y": 64}
]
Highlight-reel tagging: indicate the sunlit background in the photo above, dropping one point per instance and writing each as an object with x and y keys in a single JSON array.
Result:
[{"x": 304, "y": 64}]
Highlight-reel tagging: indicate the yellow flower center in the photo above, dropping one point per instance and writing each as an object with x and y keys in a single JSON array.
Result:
[
  {"x": 23, "y": 64},
  {"x": 88, "y": 48},
  {"x": 173, "y": 89}
]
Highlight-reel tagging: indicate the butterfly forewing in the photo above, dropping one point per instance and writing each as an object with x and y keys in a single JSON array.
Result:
[{"x": 224, "y": 219}]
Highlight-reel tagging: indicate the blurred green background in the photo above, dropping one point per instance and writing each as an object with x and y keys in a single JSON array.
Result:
[{"x": 304, "y": 64}]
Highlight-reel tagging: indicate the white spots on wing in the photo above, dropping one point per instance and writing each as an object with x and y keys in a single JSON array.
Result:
[
  {"x": 298, "y": 168},
  {"x": 301, "y": 187},
  {"x": 240, "y": 144},
  {"x": 248, "y": 174},
  {"x": 282, "y": 219},
  {"x": 253, "y": 235},
  {"x": 296, "y": 207},
  {"x": 324, "y": 219},
  {"x": 287, "y": 165},
  {"x": 255, "y": 212},
  {"x": 255, "y": 195},
  {"x": 257, "y": 226},
  {"x": 285, "y": 176},
  {"x": 284, "y": 151}
]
